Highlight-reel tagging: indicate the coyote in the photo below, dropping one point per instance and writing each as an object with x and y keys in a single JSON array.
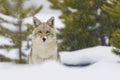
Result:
[{"x": 44, "y": 42}]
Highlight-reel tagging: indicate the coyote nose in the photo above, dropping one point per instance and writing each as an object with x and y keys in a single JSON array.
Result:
[{"x": 44, "y": 39}]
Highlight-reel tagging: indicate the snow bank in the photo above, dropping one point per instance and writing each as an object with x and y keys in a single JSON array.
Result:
[{"x": 88, "y": 56}]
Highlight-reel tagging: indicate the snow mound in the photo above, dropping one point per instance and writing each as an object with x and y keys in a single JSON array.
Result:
[{"x": 87, "y": 56}]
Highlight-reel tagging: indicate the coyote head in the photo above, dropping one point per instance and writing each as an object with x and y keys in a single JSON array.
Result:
[{"x": 44, "y": 31}]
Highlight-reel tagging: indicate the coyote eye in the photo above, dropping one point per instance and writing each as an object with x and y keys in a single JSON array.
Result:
[
  {"x": 40, "y": 31},
  {"x": 47, "y": 32}
]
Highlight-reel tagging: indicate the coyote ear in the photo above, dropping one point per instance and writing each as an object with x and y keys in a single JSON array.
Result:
[
  {"x": 36, "y": 22},
  {"x": 50, "y": 22}
]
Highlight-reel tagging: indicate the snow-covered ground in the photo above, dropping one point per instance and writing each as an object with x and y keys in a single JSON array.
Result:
[{"x": 105, "y": 67}]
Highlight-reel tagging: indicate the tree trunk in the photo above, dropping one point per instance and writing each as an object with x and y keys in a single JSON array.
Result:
[{"x": 20, "y": 40}]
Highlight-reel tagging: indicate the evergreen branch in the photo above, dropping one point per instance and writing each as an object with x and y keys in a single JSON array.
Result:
[
  {"x": 5, "y": 32},
  {"x": 3, "y": 20},
  {"x": 7, "y": 47},
  {"x": 37, "y": 10}
]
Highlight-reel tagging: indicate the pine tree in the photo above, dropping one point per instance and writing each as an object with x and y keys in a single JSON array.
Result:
[
  {"x": 113, "y": 9},
  {"x": 86, "y": 24},
  {"x": 115, "y": 41},
  {"x": 16, "y": 9}
]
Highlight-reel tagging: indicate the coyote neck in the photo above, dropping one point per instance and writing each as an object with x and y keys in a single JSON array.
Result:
[{"x": 44, "y": 49}]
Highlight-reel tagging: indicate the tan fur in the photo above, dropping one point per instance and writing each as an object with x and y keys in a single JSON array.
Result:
[{"x": 43, "y": 50}]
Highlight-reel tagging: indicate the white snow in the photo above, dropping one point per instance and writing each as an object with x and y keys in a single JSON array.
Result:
[
  {"x": 106, "y": 67},
  {"x": 90, "y": 55},
  {"x": 55, "y": 71}
]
